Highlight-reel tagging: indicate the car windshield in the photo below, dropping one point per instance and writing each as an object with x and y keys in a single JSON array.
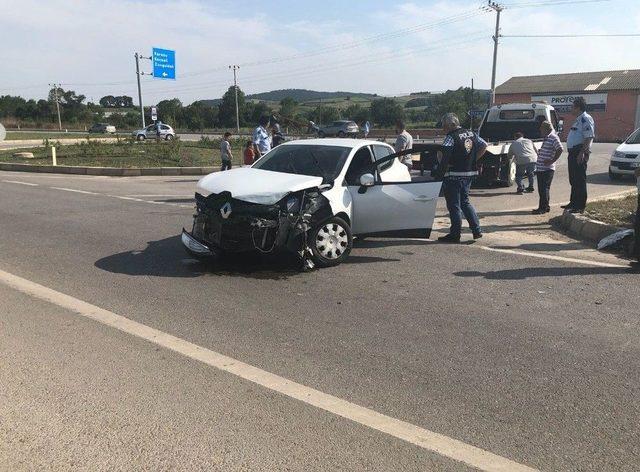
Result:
[
  {"x": 306, "y": 159},
  {"x": 634, "y": 138}
]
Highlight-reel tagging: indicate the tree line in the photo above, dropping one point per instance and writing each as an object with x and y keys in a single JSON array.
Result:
[{"x": 423, "y": 110}]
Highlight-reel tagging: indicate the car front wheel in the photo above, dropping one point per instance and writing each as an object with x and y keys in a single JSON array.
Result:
[
  {"x": 141, "y": 137},
  {"x": 331, "y": 242},
  {"x": 321, "y": 134}
]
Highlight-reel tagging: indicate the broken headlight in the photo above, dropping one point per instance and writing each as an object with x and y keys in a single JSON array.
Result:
[{"x": 293, "y": 204}]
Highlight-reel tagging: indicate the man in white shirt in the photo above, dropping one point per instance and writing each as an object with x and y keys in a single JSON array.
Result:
[
  {"x": 525, "y": 155},
  {"x": 261, "y": 138},
  {"x": 404, "y": 141}
]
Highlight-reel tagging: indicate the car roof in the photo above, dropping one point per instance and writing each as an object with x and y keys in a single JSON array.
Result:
[
  {"x": 342, "y": 142},
  {"x": 520, "y": 106}
]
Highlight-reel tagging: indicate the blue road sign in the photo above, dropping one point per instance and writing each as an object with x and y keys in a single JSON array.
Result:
[{"x": 164, "y": 63}]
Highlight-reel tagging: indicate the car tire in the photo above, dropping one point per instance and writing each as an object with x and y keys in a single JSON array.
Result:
[
  {"x": 331, "y": 242},
  {"x": 321, "y": 134},
  {"x": 341, "y": 134},
  {"x": 614, "y": 176},
  {"x": 508, "y": 174},
  {"x": 141, "y": 137},
  {"x": 168, "y": 137}
]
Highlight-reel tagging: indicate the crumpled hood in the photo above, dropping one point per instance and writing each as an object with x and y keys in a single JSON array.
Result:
[{"x": 256, "y": 185}]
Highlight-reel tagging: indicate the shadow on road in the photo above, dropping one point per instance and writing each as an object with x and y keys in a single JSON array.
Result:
[
  {"x": 603, "y": 179},
  {"x": 167, "y": 258},
  {"x": 523, "y": 274},
  {"x": 542, "y": 247}
]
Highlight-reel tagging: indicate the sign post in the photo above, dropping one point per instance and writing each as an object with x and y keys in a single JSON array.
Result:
[{"x": 164, "y": 64}]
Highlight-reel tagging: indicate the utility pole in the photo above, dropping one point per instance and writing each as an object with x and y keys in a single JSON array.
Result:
[
  {"x": 496, "y": 39},
  {"x": 472, "y": 106},
  {"x": 138, "y": 57},
  {"x": 235, "y": 87},
  {"x": 55, "y": 94}
]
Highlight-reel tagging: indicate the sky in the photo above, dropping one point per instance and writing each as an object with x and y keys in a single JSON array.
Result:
[{"x": 377, "y": 46}]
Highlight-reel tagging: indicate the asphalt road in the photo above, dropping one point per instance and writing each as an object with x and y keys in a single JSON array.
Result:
[{"x": 525, "y": 346}]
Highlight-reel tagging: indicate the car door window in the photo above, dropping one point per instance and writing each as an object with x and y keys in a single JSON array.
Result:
[
  {"x": 379, "y": 152},
  {"x": 360, "y": 164}
]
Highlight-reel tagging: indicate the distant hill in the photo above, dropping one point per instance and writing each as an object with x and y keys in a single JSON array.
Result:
[{"x": 302, "y": 95}]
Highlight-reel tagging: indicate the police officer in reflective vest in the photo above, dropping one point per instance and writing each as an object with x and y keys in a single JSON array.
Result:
[{"x": 460, "y": 152}]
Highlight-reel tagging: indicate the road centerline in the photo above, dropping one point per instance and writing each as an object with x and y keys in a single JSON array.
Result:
[{"x": 421, "y": 437}]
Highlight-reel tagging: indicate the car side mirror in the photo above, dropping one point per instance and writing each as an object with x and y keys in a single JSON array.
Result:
[{"x": 366, "y": 181}]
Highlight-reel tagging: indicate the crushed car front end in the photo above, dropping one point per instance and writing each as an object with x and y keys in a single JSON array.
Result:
[{"x": 223, "y": 224}]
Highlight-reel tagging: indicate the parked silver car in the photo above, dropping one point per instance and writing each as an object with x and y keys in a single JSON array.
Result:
[
  {"x": 341, "y": 129},
  {"x": 150, "y": 132}
]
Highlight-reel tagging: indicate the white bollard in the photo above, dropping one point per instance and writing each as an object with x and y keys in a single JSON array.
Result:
[{"x": 53, "y": 156}]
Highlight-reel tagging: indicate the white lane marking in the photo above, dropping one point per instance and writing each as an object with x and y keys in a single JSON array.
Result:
[
  {"x": 162, "y": 195},
  {"x": 74, "y": 190},
  {"x": 119, "y": 197},
  {"x": 20, "y": 183},
  {"x": 429, "y": 440},
  {"x": 553, "y": 258}
]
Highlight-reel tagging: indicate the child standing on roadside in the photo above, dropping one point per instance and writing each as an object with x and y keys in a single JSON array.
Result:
[
  {"x": 225, "y": 152},
  {"x": 249, "y": 153}
]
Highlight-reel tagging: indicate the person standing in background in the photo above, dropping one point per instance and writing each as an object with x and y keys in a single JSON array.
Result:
[
  {"x": 249, "y": 154},
  {"x": 367, "y": 129},
  {"x": 225, "y": 152},
  {"x": 404, "y": 141},
  {"x": 548, "y": 154},
  {"x": 579, "y": 143},
  {"x": 636, "y": 251},
  {"x": 261, "y": 138},
  {"x": 525, "y": 155}
]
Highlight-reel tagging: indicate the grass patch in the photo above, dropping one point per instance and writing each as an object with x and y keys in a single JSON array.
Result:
[
  {"x": 618, "y": 212},
  {"x": 15, "y": 135},
  {"x": 129, "y": 153}
]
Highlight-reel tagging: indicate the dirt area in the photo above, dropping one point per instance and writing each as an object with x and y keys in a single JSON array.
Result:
[{"x": 618, "y": 212}]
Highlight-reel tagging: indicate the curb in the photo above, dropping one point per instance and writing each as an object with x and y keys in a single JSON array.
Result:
[
  {"x": 586, "y": 229},
  {"x": 107, "y": 171}
]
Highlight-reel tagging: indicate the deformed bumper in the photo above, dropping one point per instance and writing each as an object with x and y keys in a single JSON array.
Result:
[{"x": 195, "y": 247}]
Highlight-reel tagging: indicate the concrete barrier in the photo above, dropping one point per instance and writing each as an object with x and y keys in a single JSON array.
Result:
[
  {"x": 106, "y": 171},
  {"x": 586, "y": 229}
]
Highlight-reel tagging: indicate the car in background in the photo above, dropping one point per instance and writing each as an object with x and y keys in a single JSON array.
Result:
[
  {"x": 341, "y": 129},
  {"x": 625, "y": 160},
  {"x": 310, "y": 198},
  {"x": 150, "y": 132},
  {"x": 102, "y": 128}
]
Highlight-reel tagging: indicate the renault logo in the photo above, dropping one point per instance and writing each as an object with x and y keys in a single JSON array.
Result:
[{"x": 225, "y": 210}]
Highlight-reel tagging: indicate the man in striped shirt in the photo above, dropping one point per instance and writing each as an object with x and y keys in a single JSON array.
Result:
[{"x": 548, "y": 154}]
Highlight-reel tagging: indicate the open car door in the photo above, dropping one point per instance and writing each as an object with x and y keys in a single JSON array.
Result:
[{"x": 394, "y": 209}]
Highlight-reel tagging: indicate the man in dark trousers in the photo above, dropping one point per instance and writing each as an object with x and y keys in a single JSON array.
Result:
[
  {"x": 579, "y": 143},
  {"x": 460, "y": 152},
  {"x": 636, "y": 251}
]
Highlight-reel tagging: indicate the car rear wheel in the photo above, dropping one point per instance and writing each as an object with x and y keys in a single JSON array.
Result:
[
  {"x": 141, "y": 137},
  {"x": 321, "y": 134},
  {"x": 331, "y": 242},
  {"x": 168, "y": 137}
]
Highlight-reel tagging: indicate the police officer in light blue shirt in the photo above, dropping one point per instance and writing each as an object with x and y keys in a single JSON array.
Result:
[
  {"x": 579, "y": 143},
  {"x": 261, "y": 138}
]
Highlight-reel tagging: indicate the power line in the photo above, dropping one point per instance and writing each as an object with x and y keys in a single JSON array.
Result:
[
  {"x": 550, "y": 3},
  {"x": 612, "y": 35}
]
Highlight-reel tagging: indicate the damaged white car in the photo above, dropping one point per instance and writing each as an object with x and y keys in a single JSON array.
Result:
[{"x": 311, "y": 197}]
